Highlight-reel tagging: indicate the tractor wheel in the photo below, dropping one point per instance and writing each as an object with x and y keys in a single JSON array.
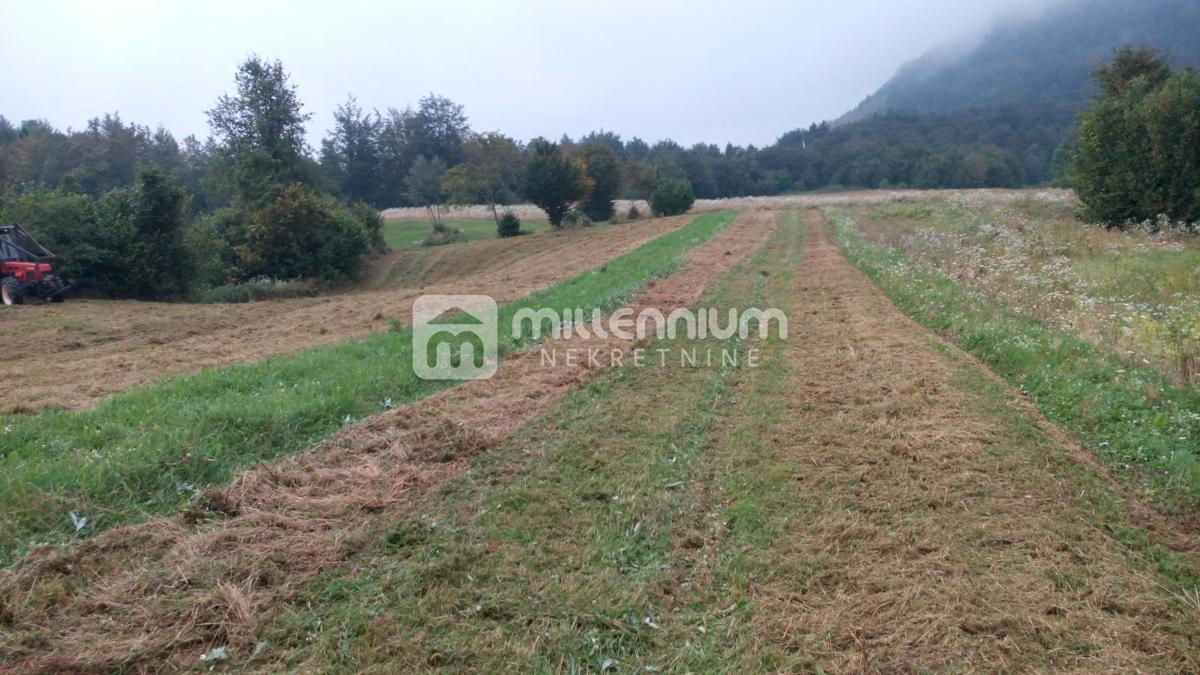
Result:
[
  {"x": 10, "y": 291},
  {"x": 55, "y": 286}
]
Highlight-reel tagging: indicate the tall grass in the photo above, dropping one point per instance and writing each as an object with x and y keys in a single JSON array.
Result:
[
  {"x": 1135, "y": 292},
  {"x": 1146, "y": 429},
  {"x": 151, "y": 450}
]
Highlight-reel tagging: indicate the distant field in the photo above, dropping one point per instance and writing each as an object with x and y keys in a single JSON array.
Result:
[
  {"x": 402, "y": 234},
  {"x": 529, "y": 212}
]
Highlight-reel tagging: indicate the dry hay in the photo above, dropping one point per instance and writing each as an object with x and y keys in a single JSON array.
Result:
[
  {"x": 72, "y": 354},
  {"x": 931, "y": 532}
]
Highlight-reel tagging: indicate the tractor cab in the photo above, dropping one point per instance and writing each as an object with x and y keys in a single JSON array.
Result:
[
  {"x": 26, "y": 268},
  {"x": 8, "y": 250}
]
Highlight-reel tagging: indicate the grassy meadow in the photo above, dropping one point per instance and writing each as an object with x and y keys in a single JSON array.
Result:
[
  {"x": 1136, "y": 293},
  {"x": 1140, "y": 419},
  {"x": 405, "y": 234}
]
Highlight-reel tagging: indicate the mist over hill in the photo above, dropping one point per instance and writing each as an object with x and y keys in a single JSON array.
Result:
[
  {"x": 989, "y": 113},
  {"x": 1041, "y": 61}
]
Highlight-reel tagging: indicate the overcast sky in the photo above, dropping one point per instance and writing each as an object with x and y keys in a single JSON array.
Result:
[{"x": 742, "y": 71}]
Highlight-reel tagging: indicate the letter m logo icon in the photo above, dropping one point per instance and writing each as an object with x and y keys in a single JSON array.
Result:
[{"x": 455, "y": 337}]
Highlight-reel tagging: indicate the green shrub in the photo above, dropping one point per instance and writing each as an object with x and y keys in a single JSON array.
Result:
[
  {"x": 372, "y": 223},
  {"x": 554, "y": 181},
  {"x": 129, "y": 243},
  {"x": 672, "y": 197},
  {"x": 207, "y": 242},
  {"x": 141, "y": 231},
  {"x": 301, "y": 236},
  {"x": 1136, "y": 147},
  {"x": 509, "y": 225},
  {"x": 634, "y": 213}
]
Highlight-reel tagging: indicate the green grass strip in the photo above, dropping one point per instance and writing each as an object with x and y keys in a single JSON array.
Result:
[
  {"x": 408, "y": 234},
  {"x": 1145, "y": 429},
  {"x": 150, "y": 450}
]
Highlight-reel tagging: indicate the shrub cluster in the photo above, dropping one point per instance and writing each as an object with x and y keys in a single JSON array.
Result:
[
  {"x": 442, "y": 234},
  {"x": 128, "y": 243},
  {"x": 259, "y": 289}
]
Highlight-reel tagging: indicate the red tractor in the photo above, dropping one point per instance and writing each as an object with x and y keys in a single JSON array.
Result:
[{"x": 25, "y": 268}]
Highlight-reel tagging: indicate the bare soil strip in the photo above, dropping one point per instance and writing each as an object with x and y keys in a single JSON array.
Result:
[
  {"x": 155, "y": 593},
  {"x": 73, "y": 354},
  {"x": 923, "y": 520}
]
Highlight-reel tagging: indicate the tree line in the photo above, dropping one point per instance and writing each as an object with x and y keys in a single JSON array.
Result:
[{"x": 134, "y": 213}]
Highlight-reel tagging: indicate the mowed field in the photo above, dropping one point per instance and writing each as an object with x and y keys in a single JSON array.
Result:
[
  {"x": 72, "y": 354},
  {"x": 929, "y": 473}
]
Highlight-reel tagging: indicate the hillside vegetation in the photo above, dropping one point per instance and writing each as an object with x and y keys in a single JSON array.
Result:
[{"x": 994, "y": 112}]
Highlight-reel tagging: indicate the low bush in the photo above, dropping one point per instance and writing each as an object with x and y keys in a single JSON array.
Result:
[
  {"x": 633, "y": 214},
  {"x": 443, "y": 234},
  {"x": 672, "y": 197},
  {"x": 509, "y": 225},
  {"x": 262, "y": 288},
  {"x": 574, "y": 218}
]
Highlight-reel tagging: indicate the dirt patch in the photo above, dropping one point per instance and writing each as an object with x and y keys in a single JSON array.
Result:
[
  {"x": 72, "y": 354},
  {"x": 159, "y": 593},
  {"x": 935, "y": 527}
]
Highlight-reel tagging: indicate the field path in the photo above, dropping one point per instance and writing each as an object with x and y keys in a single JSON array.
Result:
[
  {"x": 143, "y": 594},
  {"x": 926, "y": 522},
  {"x": 71, "y": 355}
]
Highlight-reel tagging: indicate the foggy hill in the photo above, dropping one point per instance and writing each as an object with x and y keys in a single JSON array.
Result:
[
  {"x": 991, "y": 113},
  {"x": 1043, "y": 61}
]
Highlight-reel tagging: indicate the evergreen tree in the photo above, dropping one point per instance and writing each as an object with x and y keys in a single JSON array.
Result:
[
  {"x": 554, "y": 181},
  {"x": 604, "y": 172}
]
